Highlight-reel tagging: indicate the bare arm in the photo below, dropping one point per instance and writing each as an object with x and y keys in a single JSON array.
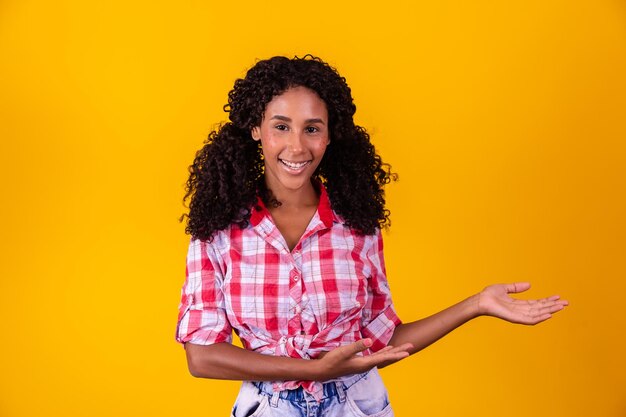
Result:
[
  {"x": 225, "y": 361},
  {"x": 492, "y": 301},
  {"x": 422, "y": 333}
]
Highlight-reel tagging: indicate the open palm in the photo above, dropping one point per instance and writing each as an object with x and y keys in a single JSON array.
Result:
[{"x": 495, "y": 301}]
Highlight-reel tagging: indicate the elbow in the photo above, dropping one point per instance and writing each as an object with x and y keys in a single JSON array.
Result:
[
  {"x": 195, "y": 372},
  {"x": 207, "y": 361},
  {"x": 194, "y": 363},
  {"x": 193, "y": 368}
]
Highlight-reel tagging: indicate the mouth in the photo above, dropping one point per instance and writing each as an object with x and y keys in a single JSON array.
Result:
[{"x": 294, "y": 166}]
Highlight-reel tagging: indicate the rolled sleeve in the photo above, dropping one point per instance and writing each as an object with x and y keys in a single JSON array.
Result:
[
  {"x": 201, "y": 314},
  {"x": 382, "y": 319}
]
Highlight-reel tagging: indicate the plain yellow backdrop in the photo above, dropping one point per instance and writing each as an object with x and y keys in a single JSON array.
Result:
[{"x": 505, "y": 120}]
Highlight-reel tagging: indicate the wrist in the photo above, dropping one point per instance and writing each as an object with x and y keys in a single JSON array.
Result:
[
  {"x": 475, "y": 306},
  {"x": 312, "y": 368}
]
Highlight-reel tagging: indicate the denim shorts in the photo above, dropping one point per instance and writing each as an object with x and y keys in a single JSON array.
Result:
[{"x": 361, "y": 395}]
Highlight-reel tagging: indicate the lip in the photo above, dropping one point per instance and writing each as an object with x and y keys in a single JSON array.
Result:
[{"x": 294, "y": 167}]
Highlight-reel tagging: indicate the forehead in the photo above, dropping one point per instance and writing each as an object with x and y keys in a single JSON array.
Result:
[{"x": 297, "y": 101}]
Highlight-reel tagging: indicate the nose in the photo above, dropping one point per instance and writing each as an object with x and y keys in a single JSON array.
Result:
[{"x": 296, "y": 144}]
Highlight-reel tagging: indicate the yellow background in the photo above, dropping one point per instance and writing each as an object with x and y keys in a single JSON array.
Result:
[{"x": 505, "y": 120}]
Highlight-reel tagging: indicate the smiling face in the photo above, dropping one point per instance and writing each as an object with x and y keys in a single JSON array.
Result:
[{"x": 294, "y": 134}]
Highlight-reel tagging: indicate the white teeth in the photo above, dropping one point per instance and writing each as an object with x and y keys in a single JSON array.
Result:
[{"x": 294, "y": 165}]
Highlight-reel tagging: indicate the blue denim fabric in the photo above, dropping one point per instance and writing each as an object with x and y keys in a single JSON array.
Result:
[{"x": 362, "y": 395}]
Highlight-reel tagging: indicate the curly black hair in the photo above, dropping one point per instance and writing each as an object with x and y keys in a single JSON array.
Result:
[{"x": 227, "y": 173}]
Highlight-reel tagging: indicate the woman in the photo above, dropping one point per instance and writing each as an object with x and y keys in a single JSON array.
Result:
[{"x": 286, "y": 209}]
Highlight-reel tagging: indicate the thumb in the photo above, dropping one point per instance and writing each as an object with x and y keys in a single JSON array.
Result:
[
  {"x": 358, "y": 346},
  {"x": 517, "y": 287}
]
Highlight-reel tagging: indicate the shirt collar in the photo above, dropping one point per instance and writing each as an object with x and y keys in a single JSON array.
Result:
[{"x": 324, "y": 209}]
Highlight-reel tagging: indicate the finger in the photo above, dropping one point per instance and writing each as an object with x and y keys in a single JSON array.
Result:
[
  {"x": 388, "y": 355},
  {"x": 356, "y": 347},
  {"x": 552, "y": 299},
  {"x": 385, "y": 349},
  {"x": 389, "y": 362},
  {"x": 551, "y": 309},
  {"x": 544, "y": 302},
  {"x": 537, "y": 315},
  {"x": 559, "y": 301},
  {"x": 546, "y": 305},
  {"x": 386, "y": 358},
  {"x": 517, "y": 287},
  {"x": 539, "y": 319},
  {"x": 405, "y": 347}
]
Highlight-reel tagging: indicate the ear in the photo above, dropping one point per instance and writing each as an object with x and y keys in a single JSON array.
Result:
[{"x": 256, "y": 133}]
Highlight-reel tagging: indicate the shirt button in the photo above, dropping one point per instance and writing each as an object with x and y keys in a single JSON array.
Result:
[
  {"x": 296, "y": 277},
  {"x": 298, "y": 310}
]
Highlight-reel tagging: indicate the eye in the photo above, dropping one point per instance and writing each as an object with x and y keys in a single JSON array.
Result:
[
  {"x": 312, "y": 129},
  {"x": 281, "y": 127}
]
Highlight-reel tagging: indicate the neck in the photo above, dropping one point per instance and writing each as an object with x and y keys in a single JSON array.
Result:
[{"x": 293, "y": 199}]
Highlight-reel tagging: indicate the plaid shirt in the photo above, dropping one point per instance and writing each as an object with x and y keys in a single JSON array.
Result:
[{"x": 329, "y": 291}]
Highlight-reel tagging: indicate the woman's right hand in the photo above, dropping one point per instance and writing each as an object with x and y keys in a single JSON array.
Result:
[
  {"x": 344, "y": 360},
  {"x": 225, "y": 361}
]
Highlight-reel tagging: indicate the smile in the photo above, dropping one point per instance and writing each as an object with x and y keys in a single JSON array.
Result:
[{"x": 294, "y": 166}]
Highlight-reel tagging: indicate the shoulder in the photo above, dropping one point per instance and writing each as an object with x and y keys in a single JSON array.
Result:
[{"x": 219, "y": 240}]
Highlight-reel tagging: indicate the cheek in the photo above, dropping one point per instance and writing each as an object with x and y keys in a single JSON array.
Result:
[
  {"x": 270, "y": 148},
  {"x": 321, "y": 147}
]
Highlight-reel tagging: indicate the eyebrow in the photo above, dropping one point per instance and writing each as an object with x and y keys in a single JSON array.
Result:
[{"x": 287, "y": 119}]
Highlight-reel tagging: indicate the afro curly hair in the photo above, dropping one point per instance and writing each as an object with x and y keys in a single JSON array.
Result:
[{"x": 227, "y": 173}]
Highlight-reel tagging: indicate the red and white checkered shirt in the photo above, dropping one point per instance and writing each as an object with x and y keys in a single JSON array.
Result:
[{"x": 329, "y": 291}]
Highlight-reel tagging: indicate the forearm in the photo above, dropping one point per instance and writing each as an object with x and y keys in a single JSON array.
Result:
[
  {"x": 422, "y": 333},
  {"x": 225, "y": 361}
]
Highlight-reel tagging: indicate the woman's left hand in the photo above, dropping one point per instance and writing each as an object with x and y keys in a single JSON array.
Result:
[{"x": 494, "y": 301}]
